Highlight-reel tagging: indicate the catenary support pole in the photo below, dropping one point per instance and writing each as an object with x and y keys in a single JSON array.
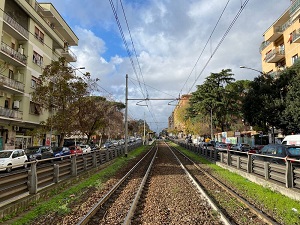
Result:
[{"x": 126, "y": 115}]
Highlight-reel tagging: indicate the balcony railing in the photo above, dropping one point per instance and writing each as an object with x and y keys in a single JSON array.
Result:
[
  {"x": 294, "y": 7},
  {"x": 9, "y": 113},
  {"x": 263, "y": 45},
  {"x": 275, "y": 55},
  {"x": 11, "y": 83},
  {"x": 69, "y": 55},
  {"x": 15, "y": 25},
  {"x": 13, "y": 53}
]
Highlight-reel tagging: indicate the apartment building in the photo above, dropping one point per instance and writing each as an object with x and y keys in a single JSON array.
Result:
[
  {"x": 280, "y": 48},
  {"x": 32, "y": 35}
]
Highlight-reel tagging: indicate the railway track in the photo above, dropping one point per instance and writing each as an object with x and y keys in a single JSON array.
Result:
[
  {"x": 165, "y": 187},
  {"x": 236, "y": 208}
]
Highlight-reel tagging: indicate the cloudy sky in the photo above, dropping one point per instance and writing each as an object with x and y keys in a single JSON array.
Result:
[{"x": 171, "y": 45}]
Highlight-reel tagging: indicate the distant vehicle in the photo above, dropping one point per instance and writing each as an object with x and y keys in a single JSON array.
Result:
[
  {"x": 38, "y": 152},
  {"x": 10, "y": 159},
  {"x": 115, "y": 142},
  {"x": 86, "y": 149},
  {"x": 75, "y": 150},
  {"x": 59, "y": 152},
  {"x": 282, "y": 151},
  {"x": 243, "y": 147},
  {"x": 107, "y": 144},
  {"x": 291, "y": 140},
  {"x": 122, "y": 141}
]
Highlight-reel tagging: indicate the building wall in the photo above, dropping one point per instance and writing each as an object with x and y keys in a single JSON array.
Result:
[
  {"x": 32, "y": 35},
  {"x": 282, "y": 37}
]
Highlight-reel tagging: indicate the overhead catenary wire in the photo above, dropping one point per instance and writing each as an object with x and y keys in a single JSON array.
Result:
[
  {"x": 208, "y": 40},
  {"x": 220, "y": 42}
]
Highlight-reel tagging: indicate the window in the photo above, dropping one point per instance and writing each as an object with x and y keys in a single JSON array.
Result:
[
  {"x": 11, "y": 74},
  {"x": 34, "y": 82},
  {"x": 35, "y": 108},
  {"x": 37, "y": 59},
  {"x": 39, "y": 34},
  {"x": 294, "y": 59}
]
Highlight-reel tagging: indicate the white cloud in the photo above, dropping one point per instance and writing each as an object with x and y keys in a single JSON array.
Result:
[{"x": 168, "y": 36}]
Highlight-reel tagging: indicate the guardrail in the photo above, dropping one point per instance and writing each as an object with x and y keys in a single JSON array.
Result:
[
  {"x": 287, "y": 174},
  {"x": 41, "y": 174}
]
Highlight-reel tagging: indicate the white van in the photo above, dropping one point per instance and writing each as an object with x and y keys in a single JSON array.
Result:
[{"x": 291, "y": 140}]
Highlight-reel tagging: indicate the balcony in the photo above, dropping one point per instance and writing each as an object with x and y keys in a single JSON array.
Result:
[
  {"x": 296, "y": 36},
  {"x": 9, "y": 113},
  {"x": 11, "y": 84},
  {"x": 14, "y": 28},
  {"x": 275, "y": 55},
  {"x": 277, "y": 32},
  {"x": 294, "y": 7},
  {"x": 263, "y": 45},
  {"x": 69, "y": 55},
  {"x": 12, "y": 56}
]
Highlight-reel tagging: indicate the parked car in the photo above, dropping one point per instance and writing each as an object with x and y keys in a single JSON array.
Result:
[
  {"x": 291, "y": 140},
  {"x": 122, "y": 141},
  {"x": 107, "y": 144},
  {"x": 282, "y": 151},
  {"x": 75, "y": 150},
  {"x": 59, "y": 152},
  {"x": 13, "y": 159},
  {"x": 38, "y": 152},
  {"x": 115, "y": 142},
  {"x": 86, "y": 149},
  {"x": 243, "y": 147}
]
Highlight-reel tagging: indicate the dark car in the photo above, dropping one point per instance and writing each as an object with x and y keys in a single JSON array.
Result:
[
  {"x": 281, "y": 152},
  {"x": 60, "y": 152},
  {"x": 38, "y": 152}
]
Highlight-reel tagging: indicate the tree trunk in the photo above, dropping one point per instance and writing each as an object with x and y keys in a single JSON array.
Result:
[{"x": 62, "y": 139}]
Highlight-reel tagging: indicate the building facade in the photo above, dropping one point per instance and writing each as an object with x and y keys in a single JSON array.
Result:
[
  {"x": 32, "y": 36},
  {"x": 280, "y": 48}
]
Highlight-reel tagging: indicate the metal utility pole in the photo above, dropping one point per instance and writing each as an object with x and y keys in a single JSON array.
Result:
[
  {"x": 144, "y": 138},
  {"x": 126, "y": 120},
  {"x": 211, "y": 126}
]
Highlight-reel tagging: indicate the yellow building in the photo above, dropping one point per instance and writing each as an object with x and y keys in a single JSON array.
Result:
[
  {"x": 280, "y": 48},
  {"x": 174, "y": 119},
  {"x": 32, "y": 35}
]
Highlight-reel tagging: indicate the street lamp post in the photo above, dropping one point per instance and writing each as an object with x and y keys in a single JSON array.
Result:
[{"x": 245, "y": 67}]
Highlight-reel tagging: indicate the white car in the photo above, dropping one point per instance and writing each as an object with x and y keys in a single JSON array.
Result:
[
  {"x": 10, "y": 159},
  {"x": 86, "y": 149}
]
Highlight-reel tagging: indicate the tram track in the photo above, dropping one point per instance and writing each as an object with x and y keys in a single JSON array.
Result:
[{"x": 238, "y": 209}]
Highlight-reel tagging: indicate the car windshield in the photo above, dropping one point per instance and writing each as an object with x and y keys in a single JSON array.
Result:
[
  {"x": 5, "y": 154},
  {"x": 295, "y": 151},
  {"x": 31, "y": 150}
]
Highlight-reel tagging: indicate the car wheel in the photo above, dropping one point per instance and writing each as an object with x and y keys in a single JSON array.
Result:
[{"x": 8, "y": 169}]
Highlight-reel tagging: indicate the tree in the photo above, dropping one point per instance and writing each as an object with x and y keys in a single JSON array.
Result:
[
  {"x": 210, "y": 99},
  {"x": 58, "y": 89}
]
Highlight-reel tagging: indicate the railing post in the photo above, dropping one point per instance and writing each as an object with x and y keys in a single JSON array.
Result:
[
  {"x": 216, "y": 155},
  {"x": 249, "y": 164},
  {"x": 73, "y": 166},
  {"x": 94, "y": 158},
  {"x": 84, "y": 163},
  {"x": 267, "y": 171},
  {"x": 289, "y": 177},
  {"x": 56, "y": 173},
  {"x": 32, "y": 179},
  {"x": 116, "y": 152},
  {"x": 228, "y": 158},
  {"x": 238, "y": 162},
  {"x": 107, "y": 155}
]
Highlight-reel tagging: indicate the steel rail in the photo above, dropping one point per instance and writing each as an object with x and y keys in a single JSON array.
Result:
[
  {"x": 252, "y": 208},
  {"x": 84, "y": 220}
]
